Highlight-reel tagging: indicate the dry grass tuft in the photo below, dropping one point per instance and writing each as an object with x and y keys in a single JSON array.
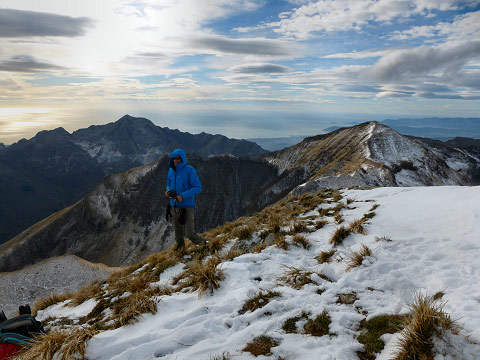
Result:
[
  {"x": 42, "y": 347},
  {"x": 338, "y": 219},
  {"x": 281, "y": 241},
  {"x": 383, "y": 238},
  {"x": 300, "y": 240},
  {"x": 129, "y": 308},
  {"x": 318, "y": 326},
  {"x": 320, "y": 224},
  {"x": 86, "y": 293},
  {"x": 290, "y": 325},
  {"x": 297, "y": 278},
  {"x": 356, "y": 258},
  {"x": 244, "y": 232},
  {"x": 58, "y": 345},
  {"x": 339, "y": 235},
  {"x": 325, "y": 212},
  {"x": 325, "y": 256},
  {"x": 202, "y": 276},
  {"x": 356, "y": 226},
  {"x": 298, "y": 227},
  {"x": 337, "y": 197},
  {"x": 426, "y": 321},
  {"x": 261, "y": 345},
  {"x": 259, "y": 301}
]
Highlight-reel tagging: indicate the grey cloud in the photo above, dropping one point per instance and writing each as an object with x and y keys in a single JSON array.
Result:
[
  {"x": 26, "y": 63},
  {"x": 22, "y": 23},
  {"x": 451, "y": 96},
  {"x": 360, "y": 88},
  {"x": 263, "y": 47},
  {"x": 261, "y": 69},
  {"x": 152, "y": 55},
  {"x": 423, "y": 61}
]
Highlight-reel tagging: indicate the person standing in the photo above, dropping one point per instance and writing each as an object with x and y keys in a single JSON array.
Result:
[{"x": 182, "y": 186}]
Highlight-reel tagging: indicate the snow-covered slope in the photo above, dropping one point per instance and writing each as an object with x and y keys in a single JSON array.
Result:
[{"x": 423, "y": 240}]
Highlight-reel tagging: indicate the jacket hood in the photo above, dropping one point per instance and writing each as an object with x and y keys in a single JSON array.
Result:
[{"x": 181, "y": 153}]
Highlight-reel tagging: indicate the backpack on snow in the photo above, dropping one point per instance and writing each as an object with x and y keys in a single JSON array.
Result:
[{"x": 17, "y": 332}]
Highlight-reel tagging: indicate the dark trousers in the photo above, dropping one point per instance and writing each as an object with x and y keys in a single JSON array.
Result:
[{"x": 185, "y": 230}]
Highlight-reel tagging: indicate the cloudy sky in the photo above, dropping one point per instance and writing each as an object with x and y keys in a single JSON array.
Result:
[{"x": 243, "y": 68}]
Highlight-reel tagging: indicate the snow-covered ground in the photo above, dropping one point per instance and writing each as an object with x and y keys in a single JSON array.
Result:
[{"x": 434, "y": 246}]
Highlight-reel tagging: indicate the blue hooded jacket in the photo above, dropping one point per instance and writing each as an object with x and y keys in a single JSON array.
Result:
[{"x": 183, "y": 180}]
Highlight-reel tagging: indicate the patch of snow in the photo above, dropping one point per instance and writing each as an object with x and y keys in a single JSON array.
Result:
[{"x": 63, "y": 310}]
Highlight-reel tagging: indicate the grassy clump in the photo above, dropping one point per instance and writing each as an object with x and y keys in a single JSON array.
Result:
[
  {"x": 383, "y": 238},
  {"x": 281, "y": 241},
  {"x": 202, "y": 276},
  {"x": 356, "y": 226},
  {"x": 319, "y": 224},
  {"x": 58, "y": 345},
  {"x": 426, "y": 321},
  {"x": 128, "y": 309},
  {"x": 244, "y": 232},
  {"x": 298, "y": 227},
  {"x": 261, "y": 345},
  {"x": 356, "y": 258},
  {"x": 325, "y": 256},
  {"x": 300, "y": 240},
  {"x": 297, "y": 278},
  {"x": 259, "y": 301},
  {"x": 290, "y": 325},
  {"x": 318, "y": 326},
  {"x": 339, "y": 235},
  {"x": 372, "y": 331}
]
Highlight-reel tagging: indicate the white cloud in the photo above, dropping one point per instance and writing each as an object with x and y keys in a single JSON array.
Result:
[
  {"x": 463, "y": 27},
  {"x": 338, "y": 15}
]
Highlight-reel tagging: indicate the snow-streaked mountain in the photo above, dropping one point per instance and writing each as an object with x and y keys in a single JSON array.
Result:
[
  {"x": 55, "y": 168},
  {"x": 56, "y": 275},
  {"x": 371, "y": 154},
  {"x": 424, "y": 240}
]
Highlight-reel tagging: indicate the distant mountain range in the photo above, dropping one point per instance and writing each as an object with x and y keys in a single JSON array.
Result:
[
  {"x": 122, "y": 219},
  {"x": 54, "y": 169}
]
